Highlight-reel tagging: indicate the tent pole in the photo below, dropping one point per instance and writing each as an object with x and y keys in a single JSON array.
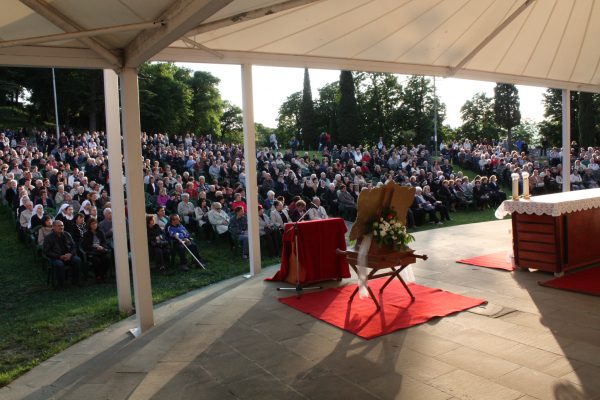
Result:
[
  {"x": 136, "y": 204},
  {"x": 117, "y": 199},
  {"x": 250, "y": 168},
  {"x": 566, "y": 140}
]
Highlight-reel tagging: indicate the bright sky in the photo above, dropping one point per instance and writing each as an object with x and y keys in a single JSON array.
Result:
[{"x": 272, "y": 85}]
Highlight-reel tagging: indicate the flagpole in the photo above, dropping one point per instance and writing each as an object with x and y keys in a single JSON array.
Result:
[
  {"x": 435, "y": 117},
  {"x": 55, "y": 105}
]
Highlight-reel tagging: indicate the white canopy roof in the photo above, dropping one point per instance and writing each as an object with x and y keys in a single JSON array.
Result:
[{"x": 539, "y": 42}]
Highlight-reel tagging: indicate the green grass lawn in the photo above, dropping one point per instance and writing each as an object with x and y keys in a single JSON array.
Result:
[
  {"x": 37, "y": 322},
  {"x": 461, "y": 217}
]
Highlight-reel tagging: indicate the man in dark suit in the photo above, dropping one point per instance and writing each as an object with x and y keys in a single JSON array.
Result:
[{"x": 60, "y": 248}]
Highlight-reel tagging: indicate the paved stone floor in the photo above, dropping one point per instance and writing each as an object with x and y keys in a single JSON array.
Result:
[{"x": 234, "y": 340}]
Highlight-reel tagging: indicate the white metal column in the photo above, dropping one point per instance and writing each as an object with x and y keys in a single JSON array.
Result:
[
  {"x": 117, "y": 199},
  {"x": 250, "y": 167},
  {"x": 566, "y": 140},
  {"x": 136, "y": 206}
]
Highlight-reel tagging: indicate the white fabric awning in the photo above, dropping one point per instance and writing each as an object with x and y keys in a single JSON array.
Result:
[{"x": 537, "y": 42}]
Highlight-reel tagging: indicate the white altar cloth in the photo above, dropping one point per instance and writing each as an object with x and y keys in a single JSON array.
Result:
[{"x": 554, "y": 204}]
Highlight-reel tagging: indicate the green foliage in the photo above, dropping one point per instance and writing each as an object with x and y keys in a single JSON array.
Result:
[
  {"x": 11, "y": 86},
  {"x": 348, "y": 118},
  {"x": 551, "y": 127},
  {"x": 586, "y": 120},
  {"x": 231, "y": 123},
  {"x": 307, "y": 115},
  {"x": 506, "y": 108},
  {"x": 326, "y": 109},
  {"x": 206, "y": 104},
  {"x": 379, "y": 99},
  {"x": 288, "y": 122},
  {"x": 528, "y": 131},
  {"x": 477, "y": 115},
  {"x": 13, "y": 116},
  {"x": 262, "y": 134},
  {"x": 175, "y": 101},
  {"x": 417, "y": 110},
  {"x": 165, "y": 98}
]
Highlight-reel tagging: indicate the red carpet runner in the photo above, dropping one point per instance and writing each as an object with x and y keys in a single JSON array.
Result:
[
  {"x": 496, "y": 261},
  {"x": 361, "y": 317},
  {"x": 586, "y": 281}
]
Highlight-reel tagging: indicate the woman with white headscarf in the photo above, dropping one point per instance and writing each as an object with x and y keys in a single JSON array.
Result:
[
  {"x": 36, "y": 217},
  {"x": 85, "y": 208},
  {"x": 65, "y": 214}
]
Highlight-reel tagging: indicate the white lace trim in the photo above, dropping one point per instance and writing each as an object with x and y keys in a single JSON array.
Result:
[{"x": 552, "y": 204}]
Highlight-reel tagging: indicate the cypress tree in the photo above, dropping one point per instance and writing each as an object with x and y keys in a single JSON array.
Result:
[
  {"x": 506, "y": 108},
  {"x": 307, "y": 115},
  {"x": 585, "y": 119},
  {"x": 348, "y": 117}
]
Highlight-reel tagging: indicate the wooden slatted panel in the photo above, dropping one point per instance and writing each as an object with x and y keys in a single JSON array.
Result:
[
  {"x": 531, "y": 255},
  {"x": 541, "y": 228},
  {"x": 538, "y": 219},
  {"x": 544, "y": 266},
  {"x": 536, "y": 237},
  {"x": 536, "y": 246}
]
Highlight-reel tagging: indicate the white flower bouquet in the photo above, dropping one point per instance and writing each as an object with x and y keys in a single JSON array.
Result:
[{"x": 388, "y": 231}]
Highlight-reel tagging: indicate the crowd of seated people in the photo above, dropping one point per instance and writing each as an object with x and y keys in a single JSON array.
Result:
[
  {"x": 545, "y": 172},
  {"x": 197, "y": 186}
]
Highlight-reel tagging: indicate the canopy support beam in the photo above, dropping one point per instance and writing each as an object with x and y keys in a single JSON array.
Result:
[
  {"x": 136, "y": 204},
  {"x": 250, "y": 168},
  {"x": 491, "y": 36},
  {"x": 80, "y": 34},
  {"x": 566, "y": 140},
  {"x": 117, "y": 200},
  {"x": 198, "y": 46},
  {"x": 249, "y": 15},
  {"x": 182, "y": 17},
  {"x": 63, "y": 22}
]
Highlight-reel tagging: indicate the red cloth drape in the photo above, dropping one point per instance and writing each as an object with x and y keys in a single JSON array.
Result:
[{"x": 317, "y": 244}]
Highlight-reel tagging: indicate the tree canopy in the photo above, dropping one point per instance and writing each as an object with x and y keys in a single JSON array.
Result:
[{"x": 506, "y": 108}]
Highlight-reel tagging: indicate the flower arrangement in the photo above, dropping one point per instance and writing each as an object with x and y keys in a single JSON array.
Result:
[{"x": 389, "y": 231}]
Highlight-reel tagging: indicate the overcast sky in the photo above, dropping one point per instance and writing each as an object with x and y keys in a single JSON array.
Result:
[{"x": 272, "y": 85}]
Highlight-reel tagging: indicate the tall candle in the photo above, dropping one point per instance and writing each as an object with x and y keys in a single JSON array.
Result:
[
  {"x": 525, "y": 176},
  {"x": 515, "y": 186}
]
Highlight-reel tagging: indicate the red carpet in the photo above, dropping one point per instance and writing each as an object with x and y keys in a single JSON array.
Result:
[
  {"x": 496, "y": 261},
  {"x": 361, "y": 316},
  {"x": 586, "y": 281}
]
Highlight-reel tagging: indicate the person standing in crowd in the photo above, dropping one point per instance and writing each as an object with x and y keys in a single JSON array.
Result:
[{"x": 273, "y": 141}]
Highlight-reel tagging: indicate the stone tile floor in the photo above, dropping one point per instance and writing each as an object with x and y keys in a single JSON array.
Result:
[{"x": 234, "y": 340}]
